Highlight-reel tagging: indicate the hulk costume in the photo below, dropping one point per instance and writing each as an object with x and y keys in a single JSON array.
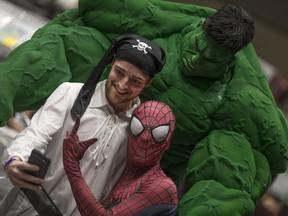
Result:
[{"x": 230, "y": 137}]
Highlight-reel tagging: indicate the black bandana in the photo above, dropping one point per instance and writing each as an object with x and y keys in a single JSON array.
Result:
[{"x": 141, "y": 52}]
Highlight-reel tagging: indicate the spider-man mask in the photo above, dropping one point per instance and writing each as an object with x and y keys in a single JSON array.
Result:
[{"x": 151, "y": 128}]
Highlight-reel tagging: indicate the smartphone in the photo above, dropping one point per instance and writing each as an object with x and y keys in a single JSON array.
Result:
[
  {"x": 39, "y": 159},
  {"x": 40, "y": 200}
]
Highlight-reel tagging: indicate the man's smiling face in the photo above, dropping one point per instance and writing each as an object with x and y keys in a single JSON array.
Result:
[{"x": 125, "y": 82}]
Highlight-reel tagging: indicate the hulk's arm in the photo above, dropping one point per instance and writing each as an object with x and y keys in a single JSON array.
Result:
[
  {"x": 149, "y": 18},
  {"x": 252, "y": 111},
  {"x": 62, "y": 50}
]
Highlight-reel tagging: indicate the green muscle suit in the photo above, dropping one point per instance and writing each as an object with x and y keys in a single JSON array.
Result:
[{"x": 230, "y": 137}]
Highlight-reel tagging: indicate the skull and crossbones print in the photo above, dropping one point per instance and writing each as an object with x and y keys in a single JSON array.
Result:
[{"x": 142, "y": 46}]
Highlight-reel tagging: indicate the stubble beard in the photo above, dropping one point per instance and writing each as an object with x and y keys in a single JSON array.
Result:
[{"x": 122, "y": 102}]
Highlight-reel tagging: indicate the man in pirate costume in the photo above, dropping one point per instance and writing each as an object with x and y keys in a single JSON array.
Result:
[
  {"x": 143, "y": 189},
  {"x": 105, "y": 112}
]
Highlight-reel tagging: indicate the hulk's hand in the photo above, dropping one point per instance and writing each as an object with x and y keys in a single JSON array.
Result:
[
  {"x": 223, "y": 176},
  {"x": 214, "y": 199}
]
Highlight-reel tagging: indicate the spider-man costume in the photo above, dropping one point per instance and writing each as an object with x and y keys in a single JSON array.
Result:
[{"x": 144, "y": 189}]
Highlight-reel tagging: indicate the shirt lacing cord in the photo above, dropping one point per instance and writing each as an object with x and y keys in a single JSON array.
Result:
[{"x": 100, "y": 151}]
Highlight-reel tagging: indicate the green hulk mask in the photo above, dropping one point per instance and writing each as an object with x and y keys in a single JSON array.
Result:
[
  {"x": 230, "y": 137},
  {"x": 200, "y": 55}
]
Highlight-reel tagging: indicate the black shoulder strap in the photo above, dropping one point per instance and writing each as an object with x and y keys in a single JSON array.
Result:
[
  {"x": 42, "y": 202},
  {"x": 86, "y": 92}
]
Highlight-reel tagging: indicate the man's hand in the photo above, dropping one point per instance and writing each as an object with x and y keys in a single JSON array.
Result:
[{"x": 17, "y": 172}]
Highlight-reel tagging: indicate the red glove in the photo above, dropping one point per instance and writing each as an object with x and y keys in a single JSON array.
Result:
[{"x": 73, "y": 151}]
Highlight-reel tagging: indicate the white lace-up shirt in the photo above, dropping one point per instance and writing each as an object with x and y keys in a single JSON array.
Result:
[{"x": 102, "y": 163}]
